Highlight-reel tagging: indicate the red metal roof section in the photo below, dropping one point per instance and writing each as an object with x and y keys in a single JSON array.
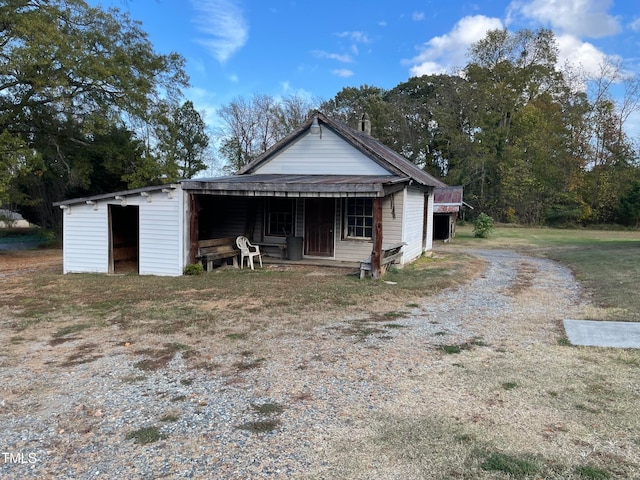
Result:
[{"x": 448, "y": 195}]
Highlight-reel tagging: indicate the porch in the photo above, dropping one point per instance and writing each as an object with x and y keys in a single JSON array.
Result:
[{"x": 336, "y": 220}]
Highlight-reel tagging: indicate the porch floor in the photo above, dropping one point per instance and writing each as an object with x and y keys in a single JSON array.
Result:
[{"x": 310, "y": 262}]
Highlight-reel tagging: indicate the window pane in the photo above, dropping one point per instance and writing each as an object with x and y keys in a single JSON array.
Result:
[
  {"x": 279, "y": 217},
  {"x": 359, "y": 217}
]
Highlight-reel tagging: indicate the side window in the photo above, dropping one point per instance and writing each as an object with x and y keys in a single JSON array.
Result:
[
  {"x": 358, "y": 218},
  {"x": 280, "y": 215}
]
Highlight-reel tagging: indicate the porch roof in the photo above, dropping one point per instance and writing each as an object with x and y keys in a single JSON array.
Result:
[{"x": 260, "y": 185}]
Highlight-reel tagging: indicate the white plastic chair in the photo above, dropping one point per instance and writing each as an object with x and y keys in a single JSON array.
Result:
[{"x": 249, "y": 251}]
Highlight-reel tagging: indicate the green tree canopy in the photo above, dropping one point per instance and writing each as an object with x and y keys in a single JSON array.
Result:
[
  {"x": 68, "y": 74},
  {"x": 182, "y": 140}
]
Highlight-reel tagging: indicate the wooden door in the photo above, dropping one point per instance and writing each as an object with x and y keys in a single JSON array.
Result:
[{"x": 319, "y": 221}]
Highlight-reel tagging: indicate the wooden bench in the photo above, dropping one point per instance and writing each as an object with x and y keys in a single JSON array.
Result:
[
  {"x": 388, "y": 255},
  {"x": 281, "y": 246},
  {"x": 218, "y": 249}
]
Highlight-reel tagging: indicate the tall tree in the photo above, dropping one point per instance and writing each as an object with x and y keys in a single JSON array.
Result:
[
  {"x": 182, "y": 140},
  {"x": 611, "y": 165},
  {"x": 351, "y": 103},
  {"x": 434, "y": 122},
  {"x": 253, "y": 126},
  {"x": 68, "y": 71}
]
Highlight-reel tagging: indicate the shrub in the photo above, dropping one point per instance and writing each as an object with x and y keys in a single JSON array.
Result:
[
  {"x": 194, "y": 269},
  {"x": 483, "y": 226}
]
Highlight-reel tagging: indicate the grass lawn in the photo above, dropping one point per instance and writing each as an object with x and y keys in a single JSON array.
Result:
[{"x": 606, "y": 262}]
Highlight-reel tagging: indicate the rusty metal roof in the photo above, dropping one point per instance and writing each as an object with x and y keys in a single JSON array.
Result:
[
  {"x": 445, "y": 208},
  {"x": 448, "y": 195},
  {"x": 297, "y": 185}
]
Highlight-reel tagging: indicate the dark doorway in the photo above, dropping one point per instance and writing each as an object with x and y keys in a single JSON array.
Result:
[
  {"x": 319, "y": 220},
  {"x": 441, "y": 226},
  {"x": 124, "y": 234}
]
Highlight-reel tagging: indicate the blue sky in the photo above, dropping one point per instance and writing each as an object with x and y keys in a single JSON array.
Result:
[{"x": 237, "y": 48}]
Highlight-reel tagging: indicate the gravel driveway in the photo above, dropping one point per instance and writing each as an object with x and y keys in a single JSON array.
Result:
[{"x": 313, "y": 395}]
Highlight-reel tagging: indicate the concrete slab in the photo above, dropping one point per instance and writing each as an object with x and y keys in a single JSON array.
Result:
[{"x": 603, "y": 334}]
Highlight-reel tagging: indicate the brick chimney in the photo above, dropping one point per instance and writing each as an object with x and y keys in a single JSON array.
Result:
[{"x": 364, "y": 125}]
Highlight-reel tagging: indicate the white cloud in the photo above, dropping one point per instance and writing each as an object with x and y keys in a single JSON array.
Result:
[
  {"x": 224, "y": 27},
  {"x": 344, "y": 58},
  {"x": 580, "y": 54},
  {"x": 417, "y": 16},
  {"x": 442, "y": 54},
  {"x": 358, "y": 37},
  {"x": 288, "y": 90},
  {"x": 342, "y": 72},
  {"x": 588, "y": 18},
  {"x": 635, "y": 25}
]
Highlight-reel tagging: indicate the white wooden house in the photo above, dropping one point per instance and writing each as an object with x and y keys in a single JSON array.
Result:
[{"x": 331, "y": 192}]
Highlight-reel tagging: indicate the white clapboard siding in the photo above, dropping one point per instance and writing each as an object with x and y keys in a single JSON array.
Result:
[
  {"x": 325, "y": 154},
  {"x": 413, "y": 224},
  {"x": 161, "y": 244},
  {"x": 349, "y": 250},
  {"x": 161, "y": 247},
  {"x": 85, "y": 239}
]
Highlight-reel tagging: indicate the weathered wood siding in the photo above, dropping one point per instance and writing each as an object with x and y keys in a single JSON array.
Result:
[
  {"x": 228, "y": 217},
  {"x": 85, "y": 239},
  {"x": 325, "y": 154},
  {"x": 393, "y": 208},
  {"x": 161, "y": 233},
  {"x": 413, "y": 224}
]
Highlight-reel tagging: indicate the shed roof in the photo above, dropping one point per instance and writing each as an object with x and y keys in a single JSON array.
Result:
[{"x": 105, "y": 196}]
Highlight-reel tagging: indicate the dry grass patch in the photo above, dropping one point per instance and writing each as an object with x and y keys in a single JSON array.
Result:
[
  {"x": 212, "y": 303},
  {"x": 524, "y": 278},
  {"x": 83, "y": 354},
  {"x": 549, "y": 412},
  {"x": 158, "y": 358}
]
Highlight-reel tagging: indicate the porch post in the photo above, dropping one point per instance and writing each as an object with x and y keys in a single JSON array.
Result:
[
  {"x": 376, "y": 253},
  {"x": 425, "y": 221},
  {"x": 193, "y": 228}
]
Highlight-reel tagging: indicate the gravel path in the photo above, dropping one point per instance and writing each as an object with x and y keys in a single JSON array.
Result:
[{"x": 72, "y": 421}]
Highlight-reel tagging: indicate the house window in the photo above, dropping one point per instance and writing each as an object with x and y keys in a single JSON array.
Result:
[
  {"x": 279, "y": 217},
  {"x": 358, "y": 221}
]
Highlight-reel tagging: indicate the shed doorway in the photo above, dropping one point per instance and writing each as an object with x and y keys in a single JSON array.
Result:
[
  {"x": 124, "y": 234},
  {"x": 442, "y": 226}
]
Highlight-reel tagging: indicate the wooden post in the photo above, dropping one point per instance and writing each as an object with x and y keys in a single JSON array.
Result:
[
  {"x": 193, "y": 227},
  {"x": 376, "y": 253},
  {"x": 425, "y": 222}
]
